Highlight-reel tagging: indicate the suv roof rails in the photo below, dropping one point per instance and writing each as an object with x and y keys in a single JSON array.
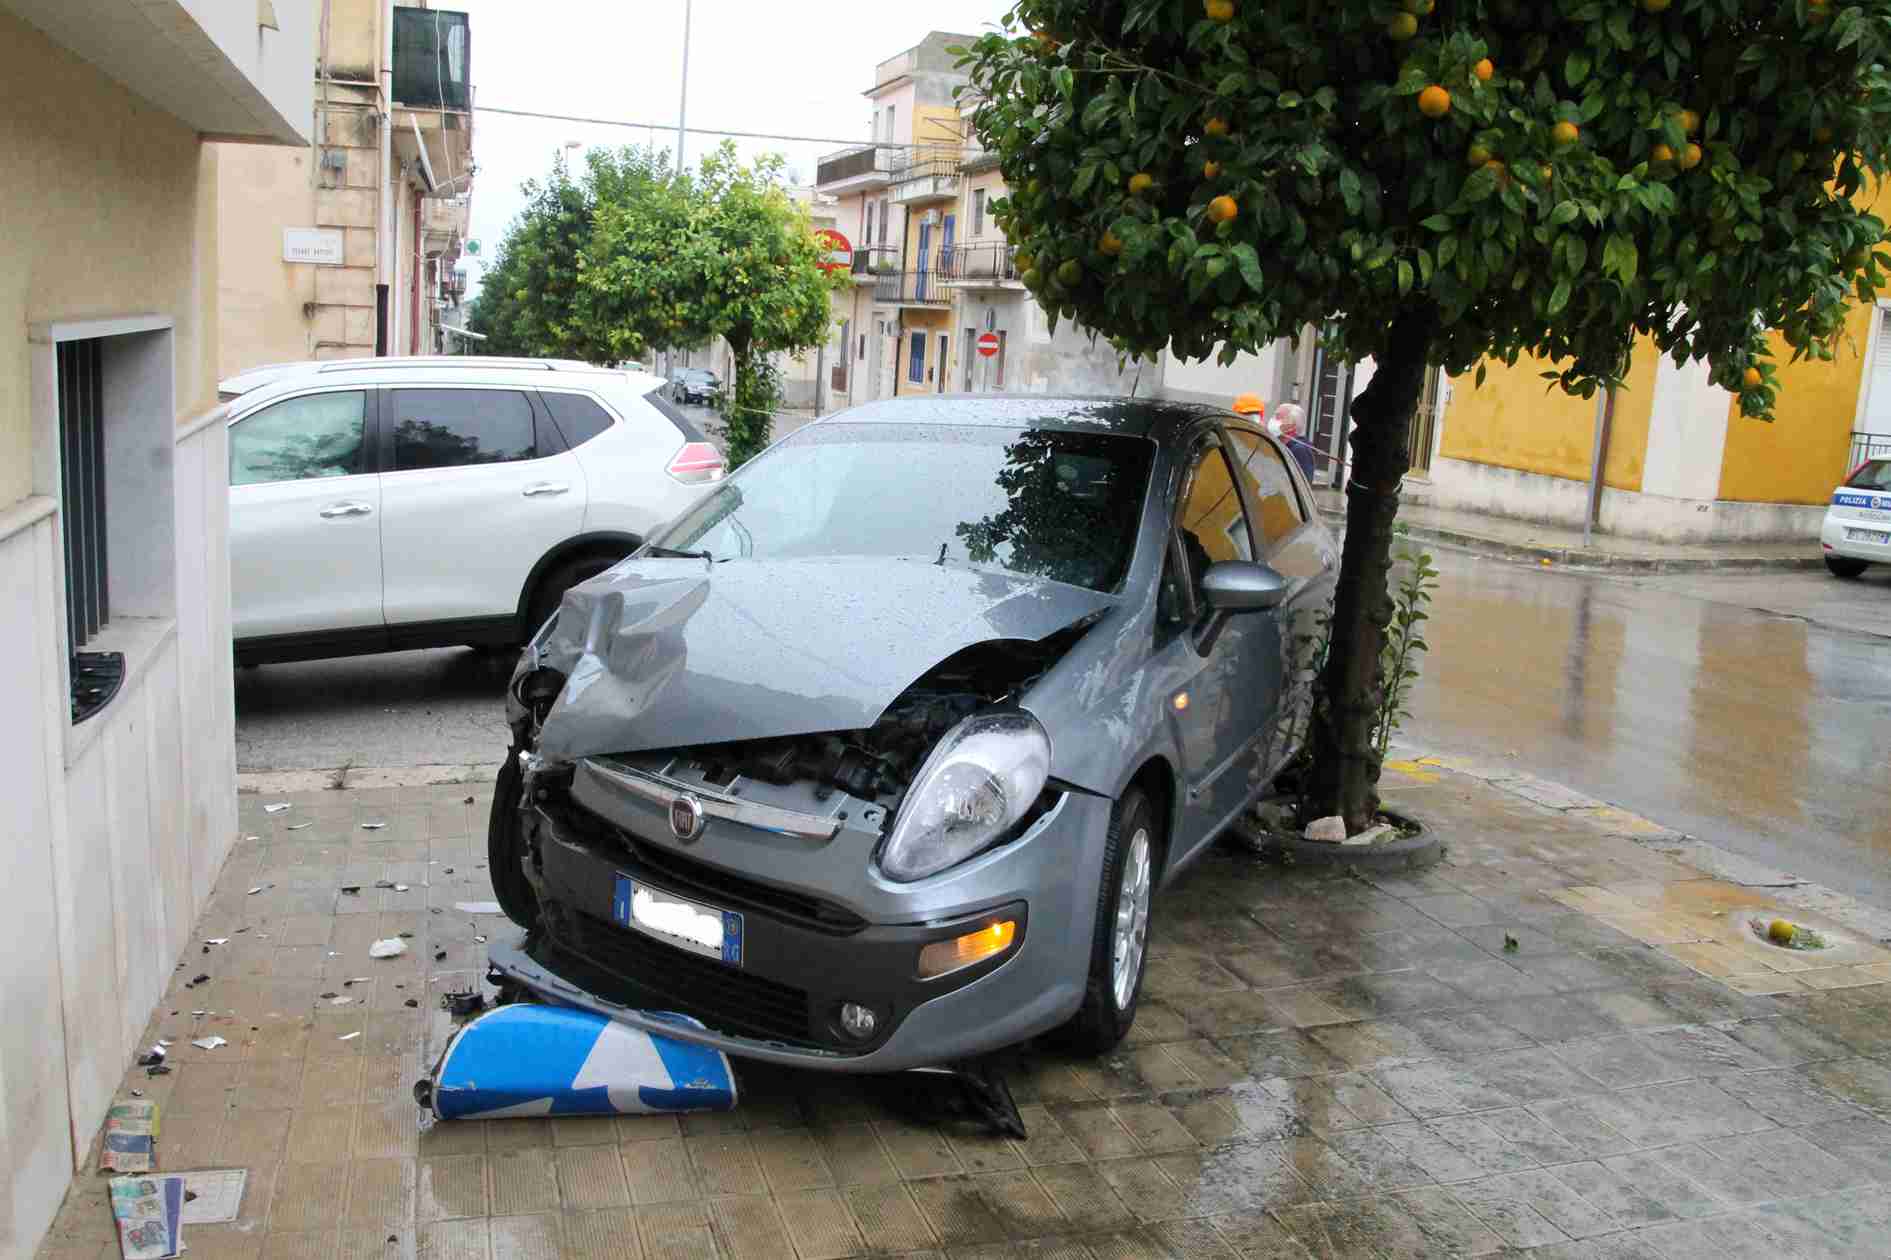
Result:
[{"x": 447, "y": 362}]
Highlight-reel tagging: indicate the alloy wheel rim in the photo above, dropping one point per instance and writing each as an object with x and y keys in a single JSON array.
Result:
[{"x": 1132, "y": 919}]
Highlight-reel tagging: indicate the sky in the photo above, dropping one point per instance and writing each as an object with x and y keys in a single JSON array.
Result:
[{"x": 754, "y": 65}]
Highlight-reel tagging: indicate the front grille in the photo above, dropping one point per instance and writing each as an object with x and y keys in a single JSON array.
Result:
[
  {"x": 662, "y": 977},
  {"x": 687, "y": 877}
]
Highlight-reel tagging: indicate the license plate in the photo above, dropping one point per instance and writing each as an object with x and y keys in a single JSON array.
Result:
[
  {"x": 678, "y": 921},
  {"x": 1868, "y": 535}
]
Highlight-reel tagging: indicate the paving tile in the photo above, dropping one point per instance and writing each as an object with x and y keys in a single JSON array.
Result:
[
  {"x": 1154, "y": 1127},
  {"x": 659, "y": 1171},
  {"x": 591, "y": 1177},
  {"x": 1096, "y": 1131},
  {"x": 526, "y": 1238},
  {"x": 888, "y": 1218},
  {"x": 1145, "y": 1188},
  {"x": 1191, "y": 1240},
  {"x": 1445, "y": 1220},
  {"x": 452, "y": 1186},
  {"x": 1258, "y": 1236},
  {"x": 1084, "y": 1197},
  {"x": 1530, "y": 1076},
  {"x": 1760, "y": 1167},
  {"x": 1737, "y": 1237},
  {"x": 308, "y": 1196},
  {"x": 749, "y": 1227},
  {"x": 855, "y": 1156},
  {"x": 1845, "y": 1223},
  {"x": 1020, "y": 1204},
  {"x": 917, "y": 1151},
  {"x": 955, "y": 1210},
  {"x": 677, "y": 1231},
  {"x": 1864, "y": 1083},
  {"x": 523, "y": 1181},
  {"x": 381, "y": 1192},
  {"x": 820, "y": 1225},
  {"x": 1437, "y": 1088},
  {"x": 1329, "y": 1230},
  {"x": 791, "y": 1160}
]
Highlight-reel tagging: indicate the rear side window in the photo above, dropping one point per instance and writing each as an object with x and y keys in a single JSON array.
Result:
[
  {"x": 1270, "y": 485},
  {"x": 456, "y": 428},
  {"x": 579, "y": 418},
  {"x": 300, "y": 439}
]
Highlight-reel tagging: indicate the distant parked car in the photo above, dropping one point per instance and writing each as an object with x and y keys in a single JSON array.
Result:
[
  {"x": 1857, "y": 530},
  {"x": 383, "y": 504},
  {"x": 694, "y": 385}
]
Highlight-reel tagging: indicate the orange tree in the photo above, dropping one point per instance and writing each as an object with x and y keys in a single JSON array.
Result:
[{"x": 1437, "y": 182}]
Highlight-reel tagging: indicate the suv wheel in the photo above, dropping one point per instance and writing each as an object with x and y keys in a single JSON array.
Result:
[
  {"x": 1119, "y": 946},
  {"x": 1842, "y": 566},
  {"x": 561, "y": 578}
]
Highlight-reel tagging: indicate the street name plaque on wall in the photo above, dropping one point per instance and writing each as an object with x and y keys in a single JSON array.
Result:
[{"x": 312, "y": 245}]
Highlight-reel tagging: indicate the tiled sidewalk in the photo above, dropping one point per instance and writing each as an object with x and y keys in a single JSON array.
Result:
[{"x": 1323, "y": 1065}]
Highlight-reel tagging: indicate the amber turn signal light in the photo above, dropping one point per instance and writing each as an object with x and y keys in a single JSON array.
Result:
[{"x": 944, "y": 957}]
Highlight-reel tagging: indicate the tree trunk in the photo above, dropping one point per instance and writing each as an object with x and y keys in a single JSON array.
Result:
[
  {"x": 1344, "y": 776},
  {"x": 747, "y": 414}
]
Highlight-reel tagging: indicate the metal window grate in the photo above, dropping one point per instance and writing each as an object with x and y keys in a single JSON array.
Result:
[{"x": 82, "y": 489}]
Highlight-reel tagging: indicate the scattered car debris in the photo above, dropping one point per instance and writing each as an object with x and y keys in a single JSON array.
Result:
[
  {"x": 478, "y": 907},
  {"x": 158, "y": 1069},
  {"x": 200, "y": 978},
  {"x": 350, "y": 983},
  {"x": 209, "y": 1043},
  {"x": 462, "y": 1003},
  {"x": 278, "y": 808},
  {"x": 218, "y": 940},
  {"x": 259, "y": 888},
  {"x": 439, "y": 955},
  {"x": 298, "y": 826},
  {"x": 1510, "y": 944},
  {"x": 329, "y": 996},
  {"x": 578, "y": 1063},
  {"x": 1328, "y": 830},
  {"x": 351, "y": 889},
  {"x": 467, "y": 801},
  {"x": 349, "y": 1036},
  {"x": 411, "y": 1002},
  {"x": 340, "y": 1001},
  {"x": 392, "y": 947},
  {"x": 479, "y": 940},
  {"x": 151, "y": 1057},
  {"x": 448, "y": 871},
  {"x": 383, "y": 883},
  {"x": 373, "y": 826}
]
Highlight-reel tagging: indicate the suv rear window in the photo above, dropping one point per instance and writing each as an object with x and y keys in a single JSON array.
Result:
[
  {"x": 1873, "y": 474},
  {"x": 579, "y": 418}
]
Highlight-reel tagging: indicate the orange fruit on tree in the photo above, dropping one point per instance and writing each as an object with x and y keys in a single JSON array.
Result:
[
  {"x": 1654, "y": 6},
  {"x": 1047, "y": 43},
  {"x": 1823, "y": 135},
  {"x": 1111, "y": 244},
  {"x": 1690, "y": 122},
  {"x": 1434, "y": 102},
  {"x": 1564, "y": 134},
  {"x": 1401, "y": 28},
  {"x": 1750, "y": 378},
  {"x": 1222, "y": 208},
  {"x": 1215, "y": 128},
  {"x": 1140, "y": 183},
  {"x": 1219, "y": 10},
  {"x": 1661, "y": 153},
  {"x": 1476, "y": 155},
  {"x": 1690, "y": 157},
  {"x": 1498, "y": 169},
  {"x": 1483, "y": 70},
  {"x": 1211, "y": 169}
]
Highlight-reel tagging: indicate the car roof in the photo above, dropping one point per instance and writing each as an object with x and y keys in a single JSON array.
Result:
[
  {"x": 1160, "y": 420},
  {"x": 279, "y": 378}
]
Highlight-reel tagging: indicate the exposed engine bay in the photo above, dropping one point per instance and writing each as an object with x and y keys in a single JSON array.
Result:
[{"x": 875, "y": 765}]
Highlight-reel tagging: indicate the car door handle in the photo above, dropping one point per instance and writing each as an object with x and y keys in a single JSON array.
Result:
[
  {"x": 334, "y": 510},
  {"x": 544, "y": 487}
]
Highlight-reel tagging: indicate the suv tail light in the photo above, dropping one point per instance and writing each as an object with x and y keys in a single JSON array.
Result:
[{"x": 696, "y": 463}]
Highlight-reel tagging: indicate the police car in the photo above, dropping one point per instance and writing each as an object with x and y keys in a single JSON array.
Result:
[{"x": 1857, "y": 529}]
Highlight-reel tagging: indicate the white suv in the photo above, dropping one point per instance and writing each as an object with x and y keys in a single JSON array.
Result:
[{"x": 384, "y": 504}]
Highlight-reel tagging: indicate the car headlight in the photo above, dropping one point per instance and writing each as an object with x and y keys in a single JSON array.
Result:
[{"x": 980, "y": 780}]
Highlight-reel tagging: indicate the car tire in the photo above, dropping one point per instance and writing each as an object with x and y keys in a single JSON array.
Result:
[
  {"x": 553, "y": 585},
  {"x": 1844, "y": 566},
  {"x": 1119, "y": 947},
  {"x": 505, "y": 846}
]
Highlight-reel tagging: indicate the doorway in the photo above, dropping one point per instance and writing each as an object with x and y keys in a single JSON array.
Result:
[
  {"x": 1332, "y": 404},
  {"x": 939, "y": 375}
]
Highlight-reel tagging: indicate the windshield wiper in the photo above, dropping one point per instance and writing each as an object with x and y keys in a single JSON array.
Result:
[{"x": 671, "y": 553}]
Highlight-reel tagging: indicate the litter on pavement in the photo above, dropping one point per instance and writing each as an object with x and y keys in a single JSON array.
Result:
[
  {"x": 530, "y": 1060},
  {"x": 277, "y": 808},
  {"x": 298, "y": 826},
  {"x": 209, "y": 1043},
  {"x": 131, "y": 1134},
  {"x": 476, "y": 907},
  {"x": 213, "y": 1196},
  {"x": 374, "y": 826},
  {"x": 149, "y": 1213},
  {"x": 392, "y": 947}
]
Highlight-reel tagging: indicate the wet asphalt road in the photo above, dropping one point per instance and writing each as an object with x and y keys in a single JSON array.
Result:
[{"x": 1752, "y": 711}]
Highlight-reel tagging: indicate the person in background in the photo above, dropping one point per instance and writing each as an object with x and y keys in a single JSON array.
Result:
[
  {"x": 1286, "y": 423},
  {"x": 1250, "y": 405}
]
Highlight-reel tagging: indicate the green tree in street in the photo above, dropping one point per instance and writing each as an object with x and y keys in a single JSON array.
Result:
[
  {"x": 1438, "y": 181},
  {"x": 532, "y": 301},
  {"x": 723, "y": 252}
]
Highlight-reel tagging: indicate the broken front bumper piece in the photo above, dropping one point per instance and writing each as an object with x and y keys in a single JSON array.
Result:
[{"x": 527, "y": 1060}]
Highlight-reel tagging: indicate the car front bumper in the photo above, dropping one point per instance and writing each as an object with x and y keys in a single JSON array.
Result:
[
  {"x": 1837, "y": 536},
  {"x": 781, "y": 1002}
]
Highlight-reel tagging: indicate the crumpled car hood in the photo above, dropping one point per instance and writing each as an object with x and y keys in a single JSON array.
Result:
[{"x": 666, "y": 653}]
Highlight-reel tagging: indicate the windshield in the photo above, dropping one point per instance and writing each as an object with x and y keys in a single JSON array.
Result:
[
  {"x": 1041, "y": 502},
  {"x": 1874, "y": 474}
]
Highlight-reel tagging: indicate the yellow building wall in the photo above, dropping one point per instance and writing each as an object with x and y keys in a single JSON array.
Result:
[
  {"x": 104, "y": 206},
  {"x": 1800, "y": 455},
  {"x": 937, "y": 124},
  {"x": 354, "y": 39},
  {"x": 932, "y": 323},
  {"x": 1519, "y": 420}
]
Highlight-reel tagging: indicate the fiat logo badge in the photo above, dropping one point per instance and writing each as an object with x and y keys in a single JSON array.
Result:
[{"x": 686, "y": 818}]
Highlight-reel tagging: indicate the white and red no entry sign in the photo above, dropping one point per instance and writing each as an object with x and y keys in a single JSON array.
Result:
[{"x": 988, "y": 344}]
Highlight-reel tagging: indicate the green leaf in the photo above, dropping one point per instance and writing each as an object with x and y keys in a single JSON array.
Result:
[
  {"x": 1086, "y": 174},
  {"x": 1250, "y": 264},
  {"x": 1437, "y": 223},
  {"x": 1565, "y": 212},
  {"x": 1576, "y": 68},
  {"x": 1559, "y": 297},
  {"x": 1405, "y": 277}
]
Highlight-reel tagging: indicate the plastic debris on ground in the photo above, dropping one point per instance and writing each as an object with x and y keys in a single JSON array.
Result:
[
  {"x": 373, "y": 826},
  {"x": 477, "y": 907},
  {"x": 298, "y": 826},
  {"x": 209, "y": 1043},
  {"x": 1329, "y": 830},
  {"x": 131, "y": 1134},
  {"x": 277, "y": 808},
  {"x": 149, "y": 1214},
  {"x": 462, "y": 1004},
  {"x": 392, "y": 947},
  {"x": 531, "y": 1060}
]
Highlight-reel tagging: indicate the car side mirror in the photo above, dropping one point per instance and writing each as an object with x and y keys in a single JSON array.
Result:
[
  {"x": 1231, "y": 587},
  {"x": 1238, "y": 586}
]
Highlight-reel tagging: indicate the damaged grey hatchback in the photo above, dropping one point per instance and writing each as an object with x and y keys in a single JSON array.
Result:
[{"x": 875, "y": 758}]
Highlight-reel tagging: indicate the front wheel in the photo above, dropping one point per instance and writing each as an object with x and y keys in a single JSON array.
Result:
[
  {"x": 552, "y": 587},
  {"x": 1119, "y": 947},
  {"x": 505, "y": 846},
  {"x": 1844, "y": 566}
]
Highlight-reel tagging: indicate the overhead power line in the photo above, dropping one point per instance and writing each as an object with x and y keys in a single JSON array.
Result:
[{"x": 701, "y": 131}]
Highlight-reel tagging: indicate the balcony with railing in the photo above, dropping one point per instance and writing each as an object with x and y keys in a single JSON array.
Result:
[
  {"x": 930, "y": 173},
  {"x": 983, "y": 265},
  {"x": 925, "y": 286},
  {"x": 874, "y": 260},
  {"x": 433, "y": 94},
  {"x": 858, "y": 169}
]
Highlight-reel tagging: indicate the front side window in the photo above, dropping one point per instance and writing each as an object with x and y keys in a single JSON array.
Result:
[
  {"x": 1269, "y": 484},
  {"x": 300, "y": 439},
  {"x": 1212, "y": 524},
  {"x": 1041, "y": 502},
  {"x": 458, "y": 428}
]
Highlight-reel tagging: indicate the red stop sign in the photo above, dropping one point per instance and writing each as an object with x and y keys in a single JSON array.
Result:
[{"x": 988, "y": 344}]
